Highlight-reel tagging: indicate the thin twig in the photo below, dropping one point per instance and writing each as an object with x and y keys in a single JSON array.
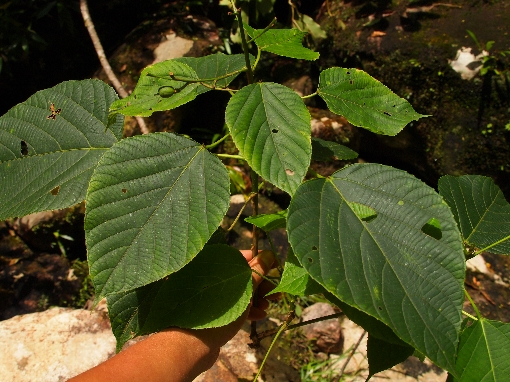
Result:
[
  {"x": 270, "y": 332},
  {"x": 104, "y": 61},
  {"x": 241, "y": 211},
  {"x": 351, "y": 354}
]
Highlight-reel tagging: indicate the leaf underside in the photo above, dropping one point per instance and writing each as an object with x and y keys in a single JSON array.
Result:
[
  {"x": 326, "y": 151},
  {"x": 212, "y": 290},
  {"x": 480, "y": 209},
  {"x": 270, "y": 125},
  {"x": 364, "y": 101},
  {"x": 386, "y": 267},
  {"x": 283, "y": 42},
  {"x": 152, "y": 204},
  {"x": 47, "y": 157}
]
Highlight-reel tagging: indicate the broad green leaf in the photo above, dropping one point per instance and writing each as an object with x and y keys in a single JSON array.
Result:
[
  {"x": 386, "y": 267},
  {"x": 216, "y": 66},
  {"x": 270, "y": 125},
  {"x": 326, "y": 151},
  {"x": 480, "y": 209},
  {"x": 269, "y": 222},
  {"x": 484, "y": 352},
  {"x": 47, "y": 158},
  {"x": 157, "y": 91},
  {"x": 283, "y": 42},
  {"x": 213, "y": 290},
  {"x": 295, "y": 280},
  {"x": 383, "y": 355},
  {"x": 152, "y": 204},
  {"x": 364, "y": 101}
]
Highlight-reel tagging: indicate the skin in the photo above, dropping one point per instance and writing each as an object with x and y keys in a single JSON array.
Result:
[{"x": 180, "y": 355}]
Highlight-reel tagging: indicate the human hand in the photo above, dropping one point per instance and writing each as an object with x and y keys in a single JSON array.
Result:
[{"x": 261, "y": 265}]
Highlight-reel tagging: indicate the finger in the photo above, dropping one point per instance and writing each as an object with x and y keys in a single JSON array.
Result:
[
  {"x": 262, "y": 303},
  {"x": 261, "y": 264},
  {"x": 247, "y": 253},
  {"x": 265, "y": 287},
  {"x": 273, "y": 297},
  {"x": 256, "y": 314}
]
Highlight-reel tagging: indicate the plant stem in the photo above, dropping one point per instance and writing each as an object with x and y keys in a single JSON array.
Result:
[
  {"x": 310, "y": 95},
  {"x": 249, "y": 72},
  {"x": 473, "y": 304},
  {"x": 214, "y": 144},
  {"x": 241, "y": 211},
  {"x": 270, "y": 332},
  {"x": 271, "y": 24},
  {"x": 87, "y": 20},
  {"x": 469, "y": 315},
  {"x": 492, "y": 245},
  {"x": 288, "y": 320},
  {"x": 233, "y": 156},
  {"x": 351, "y": 354}
]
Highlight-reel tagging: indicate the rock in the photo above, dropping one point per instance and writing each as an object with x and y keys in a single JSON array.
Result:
[
  {"x": 53, "y": 345},
  {"x": 326, "y": 334}
]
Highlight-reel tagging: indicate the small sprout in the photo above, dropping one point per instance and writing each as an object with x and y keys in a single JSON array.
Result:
[{"x": 55, "y": 191}]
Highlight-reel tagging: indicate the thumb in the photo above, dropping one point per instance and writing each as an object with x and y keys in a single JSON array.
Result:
[{"x": 261, "y": 264}]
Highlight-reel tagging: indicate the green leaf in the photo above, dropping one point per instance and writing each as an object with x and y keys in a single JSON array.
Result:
[
  {"x": 295, "y": 280},
  {"x": 480, "y": 209},
  {"x": 152, "y": 204},
  {"x": 312, "y": 27},
  {"x": 386, "y": 267},
  {"x": 269, "y": 222},
  {"x": 213, "y": 290},
  {"x": 270, "y": 125},
  {"x": 383, "y": 355},
  {"x": 156, "y": 91},
  {"x": 283, "y": 42},
  {"x": 46, "y": 163},
  {"x": 364, "y": 101},
  {"x": 484, "y": 352},
  {"x": 216, "y": 66},
  {"x": 326, "y": 151}
]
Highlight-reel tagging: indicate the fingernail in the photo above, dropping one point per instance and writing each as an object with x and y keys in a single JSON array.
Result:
[{"x": 267, "y": 257}]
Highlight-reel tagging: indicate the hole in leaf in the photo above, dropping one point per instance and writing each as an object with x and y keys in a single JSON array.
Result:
[
  {"x": 314, "y": 248},
  {"x": 394, "y": 105},
  {"x": 379, "y": 307},
  {"x": 348, "y": 72},
  {"x": 124, "y": 190},
  {"x": 24, "y": 148},
  {"x": 433, "y": 229},
  {"x": 388, "y": 114},
  {"x": 365, "y": 213},
  {"x": 310, "y": 260},
  {"x": 289, "y": 172},
  {"x": 55, "y": 191},
  {"x": 351, "y": 82},
  {"x": 274, "y": 131}
]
